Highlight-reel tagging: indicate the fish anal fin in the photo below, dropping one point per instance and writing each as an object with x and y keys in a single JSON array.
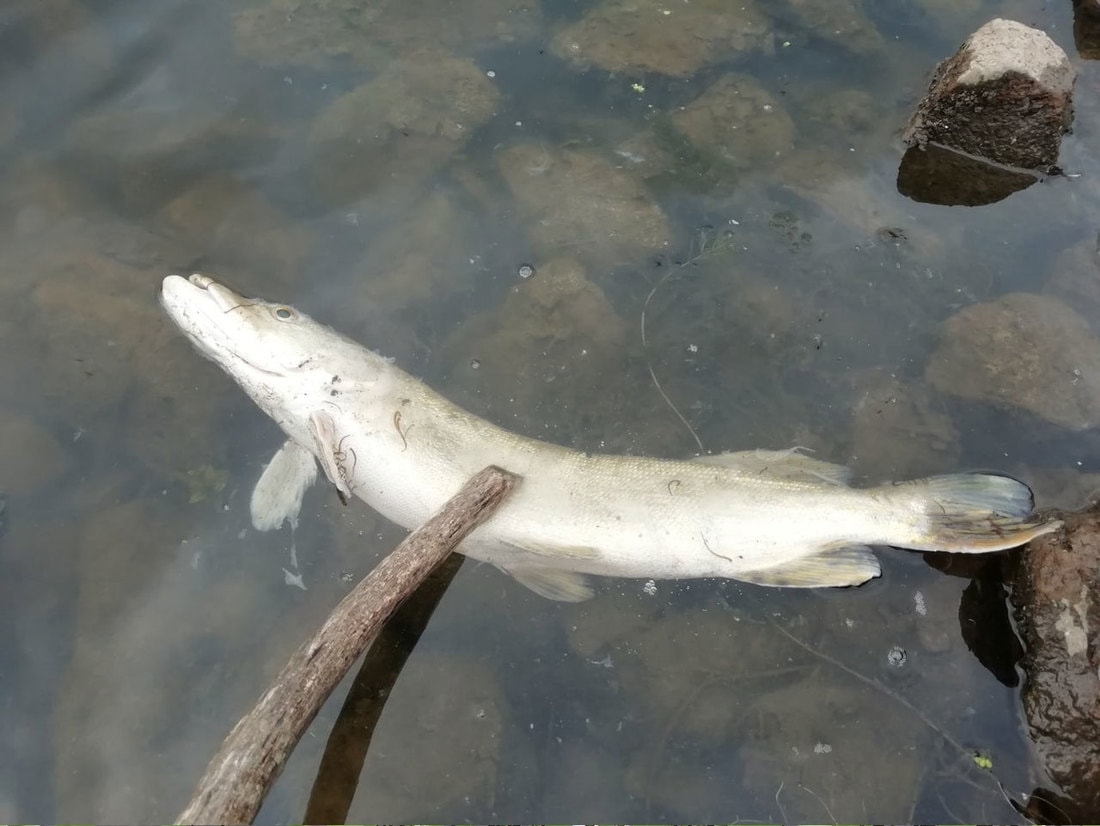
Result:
[
  {"x": 553, "y": 583},
  {"x": 834, "y": 567},
  {"x": 278, "y": 494},
  {"x": 780, "y": 464},
  {"x": 331, "y": 456}
]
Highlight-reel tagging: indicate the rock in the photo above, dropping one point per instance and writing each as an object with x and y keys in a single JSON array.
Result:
[
  {"x": 103, "y": 339},
  {"x": 236, "y": 227},
  {"x": 324, "y": 34},
  {"x": 30, "y": 457},
  {"x": 95, "y": 322},
  {"x": 1004, "y": 96},
  {"x": 1075, "y": 279},
  {"x": 149, "y": 152},
  {"x": 1025, "y": 351},
  {"x": 575, "y": 200},
  {"x": 739, "y": 120},
  {"x": 654, "y": 36},
  {"x": 1056, "y": 596},
  {"x": 1063, "y": 488},
  {"x": 398, "y": 128},
  {"x": 898, "y": 432},
  {"x": 425, "y": 256},
  {"x": 73, "y": 56},
  {"x": 556, "y": 340},
  {"x": 809, "y": 730},
  {"x": 435, "y": 753},
  {"x": 1086, "y": 28}
]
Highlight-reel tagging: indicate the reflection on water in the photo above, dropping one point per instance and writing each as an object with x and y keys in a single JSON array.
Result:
[{"x": 389, "y": 167}]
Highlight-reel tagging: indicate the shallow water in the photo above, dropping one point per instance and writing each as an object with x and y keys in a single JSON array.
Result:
[{"x": 389, "y": 168}]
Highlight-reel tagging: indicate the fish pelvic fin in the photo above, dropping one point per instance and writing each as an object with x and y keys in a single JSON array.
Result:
[
  {"x": 834, "y": 567},
  {"x": 278, "y": 494},
  {"x": 970, "y": 513},
  {"x": 553, "y": 583}
]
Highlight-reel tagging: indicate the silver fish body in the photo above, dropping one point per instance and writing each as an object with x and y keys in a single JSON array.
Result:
[{"x": 770, "y": 517}]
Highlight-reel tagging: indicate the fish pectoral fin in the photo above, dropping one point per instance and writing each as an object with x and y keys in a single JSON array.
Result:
[
  {"x": 329, "y": 452},
  {"x": 834, "y": 567},
  {"x": 780, "y": 464},
  {"x": 552, "y": 583},
  {"x": 278, "y": 494},
  {"x": 541, "y": 549}
]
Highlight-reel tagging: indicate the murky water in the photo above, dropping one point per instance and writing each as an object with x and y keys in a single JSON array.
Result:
[{"x": 390, "y": 167}]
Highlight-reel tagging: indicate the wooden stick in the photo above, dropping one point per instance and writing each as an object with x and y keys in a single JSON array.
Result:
[{"x": 256, "y": 750}]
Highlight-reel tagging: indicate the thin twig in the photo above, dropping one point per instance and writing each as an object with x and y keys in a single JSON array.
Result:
[
  {"x": 649, "y": 364},
  {"x": 968, "y": 754}
]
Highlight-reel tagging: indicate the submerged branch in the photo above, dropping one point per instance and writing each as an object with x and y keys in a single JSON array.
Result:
[{"x": 256, "y": 750}]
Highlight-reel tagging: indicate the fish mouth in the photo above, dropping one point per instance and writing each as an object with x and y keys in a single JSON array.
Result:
[
  {"x": 200, "y": 305},
  {"x": 220, "y": 295}
]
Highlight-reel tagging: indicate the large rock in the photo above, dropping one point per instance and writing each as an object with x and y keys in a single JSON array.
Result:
[
  {"x": 1025, "y": 351},
  {"x": 1003, "y": 96},
  {"x": 674, "y": 39},
  {"x": 1057, "y": 601}
]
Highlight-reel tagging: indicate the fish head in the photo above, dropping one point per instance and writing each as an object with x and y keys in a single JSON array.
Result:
[{"x": 291, "y": 365}]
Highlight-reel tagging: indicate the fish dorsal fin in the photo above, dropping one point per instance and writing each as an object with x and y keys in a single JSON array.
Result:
[
  {"x": 553, "y": 583},
  {"x": 278, "y": 494},
  {"x": 834, "y": 567},
  {"x": 780, "y": 464},
  {"x": 330, "y": 454},
  {"x": 544, "y": 549}
]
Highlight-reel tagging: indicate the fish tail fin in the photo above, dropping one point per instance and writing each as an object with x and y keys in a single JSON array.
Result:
[{"x": 970, "y": 513}]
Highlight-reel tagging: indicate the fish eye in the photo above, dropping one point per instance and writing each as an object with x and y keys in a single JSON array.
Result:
[{"x": 283, "y": 313}]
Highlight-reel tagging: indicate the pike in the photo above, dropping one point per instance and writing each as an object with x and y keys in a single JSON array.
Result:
[{"x": 771, "y": 517}]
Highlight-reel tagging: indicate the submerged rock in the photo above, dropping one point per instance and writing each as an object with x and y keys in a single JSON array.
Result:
[
  {"x": 1004, "y": 96},
  {"x": 30, "y": 457},
  {"x": 1075, "y": 279},
  {"x": 842, "y": 21},
  {"x": 1086, "y": 28},
  {"x": 555, "y": 339},
  {"x": 435, "y": 753},
  {"x": 1056, "y": 596},
  {"x": 897, "y": 431},
  {"x": 738, "y": 120},
  {"x": 321, "y": 33},
  {"x": 236, "y": 225},
  {"x": 1025, "y": 351},
  {"x": 575, "y": 200},
  {"x": 426, "y": 256},
  {"x": 398, "y": 128},
  {"x": 654, "y": 36}
]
